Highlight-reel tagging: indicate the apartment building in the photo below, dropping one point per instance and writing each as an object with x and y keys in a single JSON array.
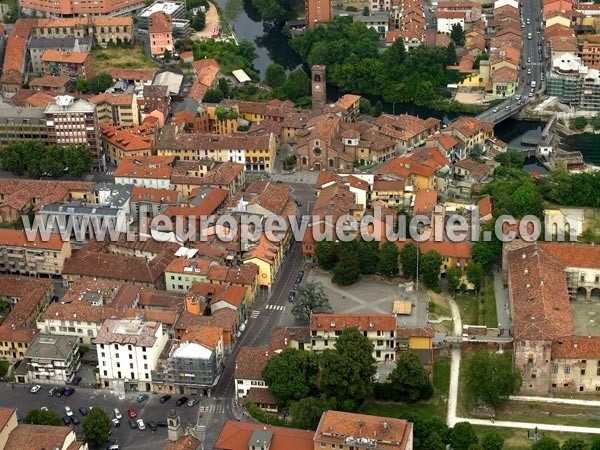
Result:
[
  {"x": 189, "y": 176},
  {"x": 317, "y": 11},
  {"x": 73, "y": 8},
  {"x": 148, "y": 171},
  {"x": 154, "y": 201},
  {"x": 119, "y": 142},
  {"x": 27, "y": 297},
  {"x": 22, "y": 124},
  {"x": 43, "y": 436},
  {"x": 160, "y": 34},
  {"x": 75, "y": 65},
  {"x": 52, "y": 359},
  {"x": 590, "y": 54},
  {"x": 244, "y": 435},
  {"x": 32, "y": 257},
  {"x": 75, "y": 122},
  {"x": 8, "y": 422},
  {"x": 249, "y": 364},
  {"x": 37, "y": 47},
  {"x": 380, "y": 329},
  {"x": 116, "y": 109},
  {"x": 128, "y": 350}
]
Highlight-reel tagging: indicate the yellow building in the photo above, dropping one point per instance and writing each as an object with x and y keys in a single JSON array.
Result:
[
  {"x": 222, "y": 120},
  {"x": 268, "y": 257},
  {"x": 418, "y": 340},
  {"x": 116, "y": 109},
  {"x": 8, "y": 422}
]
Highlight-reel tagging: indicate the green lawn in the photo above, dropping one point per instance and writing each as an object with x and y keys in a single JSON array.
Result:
[
  {"x": 436, "y": 406},
  {"x": 516, "y": 438},
  {"x": 474, "y": 311}
]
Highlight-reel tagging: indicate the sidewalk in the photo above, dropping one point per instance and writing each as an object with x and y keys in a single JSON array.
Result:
[{"x": 455, "y": 365}]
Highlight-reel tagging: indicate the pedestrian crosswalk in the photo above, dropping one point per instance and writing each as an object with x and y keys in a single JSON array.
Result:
[
  {"x": 110, "y": 172},
  {"x": 254, "y": 314},
  {"x": 215, "y": 408},
  {"x": 275, "y": 307},
  {"x": 202, "y": 432}
]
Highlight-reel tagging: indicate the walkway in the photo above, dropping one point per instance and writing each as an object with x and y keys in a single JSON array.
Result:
[
  {"x": 530, "y": 426},
  {"x": 455, "y": 365},
  {"x": 502, "y": 305},
  {"x": 563, "y": 401}
]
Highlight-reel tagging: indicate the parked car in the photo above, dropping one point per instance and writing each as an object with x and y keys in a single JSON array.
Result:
[
  {"x": 151, "y": 425},
  {"x": 299, "y": 277},
  {"x": 66, "y": 420},
  {"x": 495, "y": 110},
  {"x": 69, "y": 392},
  {"x": 44, "y": 408},
  {"x": 113, "y": 447},
  {"x": 68, "y": 411},
  {"x": 142, "y": 397},
  {"x": 19, "y": 418},
  {"x": 84, "y": 411},
  {"x": 291, "y": 296},
  {"x": 131, "y": 412},
  {"x": 132, "y": 424},
  {"x": 165, "y": 398},
  {"x": 141, "y": 425},
  {"x": 117, "y": 414},
  {"x": 298, "y": 203},
  {"x": 61, "y": 392},
  {"x": 162, "y": 423},
  {"x": 181, "y": 401},
  {"x": 115, "y": 423},
  {"x": 52, "y": 392},
  {"x": 193, "y": 402},
  {"x": 75, "y": 420},
  {"x": 77, "y": 380},
  {"x": 35, "y": 388}
]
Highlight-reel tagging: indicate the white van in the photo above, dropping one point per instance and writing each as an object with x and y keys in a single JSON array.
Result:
[
  {"x": 529, "y": 36},
  {"x": 532, "y": 83}
]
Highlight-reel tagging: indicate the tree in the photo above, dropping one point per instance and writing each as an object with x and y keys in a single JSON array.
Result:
[
  {"x": 224, "y": 86},
  {"x": 410, "y": 380},
  {"x": 462, "y": 436},
  {"x": 451, "y": 59},
  {"x": 306, "y": 413},
  {"x": 378, "y": 109},
  {"x": 53, "y": 162},
  {"x": 578, "y": 123},
  {"x": 310, "y": 298},
  {"x": 546, "y": 443},
  {"x": 100, "y": 83},
  {"x": 325, "y": 253},
  {"x": 454, "y": 276},
  {"x": 232, "y": 9},
  {"x": 297, "y": 85},
  {"x": 475, "y": 274},
  {"x": 277, "y": 11},
  {"x": 366, "y": 11},
  {"x": 457, "y": 34},
  {"x": 368, "y": 255},
  {"x": 346, "y": 372},
  {"x": 291, "y": 375},
  {"x": 484, "y": 253},
  {"x": 574, "y": 444},
  {"x": 596, "y": 444},
  {"x": 39, "y": 417},
  {"x": 213, "y": 95},
  {"x": 82, "y": 85},
  {"x": 275, "y": 75},
  {"x": 198, "y": 21},
  {"x": 96, "y": 427},
  {"x": 491, "y": 377},
  {"x": 347, "y": 269},
  {"x": 430, "y": 266},
  {"x": 78, "y": 159},
  {"x": 167, "y": 56},
  {"x": 388, "y": 259},
  {"x": 408, "y": 260},
  {"x": 492, "y": 441}
]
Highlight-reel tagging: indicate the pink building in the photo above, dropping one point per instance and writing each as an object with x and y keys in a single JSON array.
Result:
[{"x": 160, "y": 30}]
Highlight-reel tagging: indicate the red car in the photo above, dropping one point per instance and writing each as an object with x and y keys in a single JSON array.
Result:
[{"x": 132, "y": 413}]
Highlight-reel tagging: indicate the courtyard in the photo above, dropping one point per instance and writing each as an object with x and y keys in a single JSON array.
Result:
[{"x": 586, "y": 318}]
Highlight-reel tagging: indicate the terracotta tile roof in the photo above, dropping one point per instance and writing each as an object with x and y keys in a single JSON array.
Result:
[
  {"x": 78, "y": 22},
  {"x": 195, "y": 141},
  {"x": 261, "y": 396},
  {"x": 112, "y": 99},
  {"x": 245, "y": 274},
  {"x": 128, "y": 140},
  {"x": 65, "y": 57},
  {"x": 186, "y": 442},
  {"x": 363, "y": 322},
  {"x": 50, "y": 81},
  {"x": 485, "y": 206},
  {"x": 450, "y": 14},
  {"x": 27, "y": 436},
  {"x": 264, "y": 250},
  {"x": 380, "y": 185},
  {"x": 154, "y": 298},
  {"x": 387, "y": 434},
  {"x": 505, "y": 75},
  {"x": 206, "y": 71},
  {"x": 152, "y": 195},
  {"x": 538, "y": 291},
  {"x": 469, "y": 126},
  {"x": 5, "y": 416},
  {"x": 159, "y": 22},
  {"x": 270, "y": 196},
  {"x": 350, "y": 180},
  {"x": 424, "y": 161},
  {"x": 404, "y": 127},
  {"x": 347, "y": 100},
  {"x": 18, "y": 194},
  {"x": 408, "y": 332},
  {"x": 250, "y": 362},
  {"x": 442, "y": 40},
  {"x": 425, "y": 200},
  {"x": 208, "y": 337},
  {"x": 194, "y": 266},
  {"x": 572, "y": 254},
  {"x": 21, "y": 96},
  {"x": 282, "y": 336},
  {"x": 447, "y": 141},
  {"x": 221, "y": 174},
  {"x": 18, "y": 238},
  {"x": 558, "y": 30},
  {"x": 335, "y": 200},
  {"x": 576, "y": 347},
  {"x": 39, "y": 100},
  {"x": 14, "y": 54},
  {"x": 152, "y": 315},
  {"x": 236, "y": 436},
  {"x": 208, "y": 205},
  {"x": 79, "y": 310},
  {"x": 562, "y": 44},
  {"x": 131, "y": 74},
  {"x": 155, "y": 167}
]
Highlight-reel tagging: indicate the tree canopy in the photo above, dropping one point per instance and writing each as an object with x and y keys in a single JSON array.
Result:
[
  {"x": 388, "y": 259},
  {"x": 462, "y": 436},
  {"x": 39, "y": 417},
  {"x": 100, "y": 83},
  {"x": 410, "y": 380},
  {"x": 310, "y": 298},
  {"x": 306, "y": 413},
  {"x": 475, "y": 274},
  {"x": 408, "y": 259},
  {"x": 292, "y": 375},
  {"x": 96, "y": 426},
  {"x": 430, "y": 266},
  {"x": 491, "y": 377},
  {"x": 546, "y": 443}
]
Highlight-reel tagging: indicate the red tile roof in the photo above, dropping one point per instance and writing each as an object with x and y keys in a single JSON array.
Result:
[
  {"x": 363, "y": 322},
  {"x": 159, "y": 22},
  {"x": 572, "y": 254},
  {"x": 236, "y": 436},
  {"x": 250, "y": 362},
  {"x": 65, "y": 57}
]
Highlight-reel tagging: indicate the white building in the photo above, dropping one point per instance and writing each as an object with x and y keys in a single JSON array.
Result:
[
  {"x": 52, "y": 359},
  {"x": 248, "y": 367},
  {"x": 446, "y": 19},
  {"x": 128, "y": 350}
]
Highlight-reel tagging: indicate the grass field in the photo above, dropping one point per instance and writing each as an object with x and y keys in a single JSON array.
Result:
[
  {"x": 517, "y": 439},
  {"x": 130, "y": 58},
  {"x": 476, "y": 312},
  {"x": 436, "y": 406}
]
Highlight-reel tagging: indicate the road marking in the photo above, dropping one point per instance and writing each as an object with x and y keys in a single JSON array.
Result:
[
  {"x": 276, "y": 307},
  {"x": 254, "y": 314},
  {"x": 203, "y": 409}
]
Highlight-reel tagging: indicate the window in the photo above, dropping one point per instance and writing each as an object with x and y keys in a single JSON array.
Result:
[
  {"x": 567, "y": 369},
  {"x": 533, "y": 376},
  {"x": 554, "y": 368},
  {"x": 322, "y": 443},
  {"x": 582, "y": 371}
]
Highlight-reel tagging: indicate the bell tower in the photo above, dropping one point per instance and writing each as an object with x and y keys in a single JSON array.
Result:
[
  {"x": 173, "y": 426},
  {"x": 319, "y": 94}
]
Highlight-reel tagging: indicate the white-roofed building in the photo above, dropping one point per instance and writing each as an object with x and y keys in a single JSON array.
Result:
[
  {"x": 191, "y": 366},
  {"x": 241, "y": 76}
]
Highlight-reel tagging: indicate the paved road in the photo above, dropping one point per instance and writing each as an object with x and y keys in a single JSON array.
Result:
[
  {"x": 502, "y": 305},
  {"x": 151, "y": 409},
  {"x": 454, "y": 365}
]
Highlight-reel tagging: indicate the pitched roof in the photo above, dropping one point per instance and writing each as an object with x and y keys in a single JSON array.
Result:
[
  {"x": 576, "y": 347},
  {"x": 131, "y": 74},
  {"x": 18, "y": 238},
  {"x": 27, "y": 436},
  {"x": 250, "y": 362},
  {"x": 572, "y": 254},
  {"x": 363, "y": 322},
  {"x": 64, "y": 57},
  {"x": 382, "y": 432},
  {"x": 153, "y": 195},
  {"x": 425, "y": 200},
  {"x": 50, "y": 81},
  {"x": 236, "y": 436},
  {"x": 159, "y": 22},
  {"x": 155, "y": 167}
]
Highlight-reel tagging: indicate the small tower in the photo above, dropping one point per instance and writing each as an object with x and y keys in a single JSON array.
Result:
[
  {"x": 319, "y": 93},
  {"x": 173, "y": 425}
]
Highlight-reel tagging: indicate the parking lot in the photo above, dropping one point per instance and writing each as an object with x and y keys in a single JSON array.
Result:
[{"x": 150, "y": 410}]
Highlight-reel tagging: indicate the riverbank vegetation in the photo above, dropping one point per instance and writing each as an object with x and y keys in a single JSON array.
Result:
[{"x": 354, "y": 64}]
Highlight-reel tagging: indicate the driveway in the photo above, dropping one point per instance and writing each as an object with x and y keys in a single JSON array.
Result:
[{"x": 502, "y": 305}]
